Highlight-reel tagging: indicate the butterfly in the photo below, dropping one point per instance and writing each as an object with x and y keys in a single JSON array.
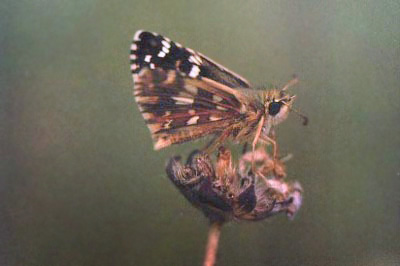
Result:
[{"x": 184, "y": 95}]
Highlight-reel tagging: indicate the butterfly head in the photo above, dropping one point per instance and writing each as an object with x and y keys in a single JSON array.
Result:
[{"x": 277, "y": 105}]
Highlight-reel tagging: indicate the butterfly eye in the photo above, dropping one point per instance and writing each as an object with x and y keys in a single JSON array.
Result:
[{"x": 274, "y": 108}]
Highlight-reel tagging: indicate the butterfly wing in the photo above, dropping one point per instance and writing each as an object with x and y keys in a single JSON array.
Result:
[
  {"x": 178, "y": 109},
  {"x": 153, "y": 50},
  {"x": 182, "y": 95}
]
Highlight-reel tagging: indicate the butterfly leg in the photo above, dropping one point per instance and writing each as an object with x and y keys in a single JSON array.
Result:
[
  {"x": 275, "y": 165},
  {"x": 274, "y": 145},
  {"x": 255, "y": 140}
]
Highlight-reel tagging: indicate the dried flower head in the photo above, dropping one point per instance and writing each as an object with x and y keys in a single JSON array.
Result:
[{"x": 224, "y": 192}]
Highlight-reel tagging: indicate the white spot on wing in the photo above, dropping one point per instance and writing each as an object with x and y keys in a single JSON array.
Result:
[
  {"x": 193, "y": 120},
  {"x": 161, "y": 54},
  {"x": 165, "y": 49},
  {"x": 147, "y": 58},
  {"x": 194, "y": 71},
  {"x": 132, "y": 57},
  {"x": 214, "y": 118},
  {"x": 133, "y": 67},
  {"x": 167, "y": 124},
  {"x": 152, "y": 66},
  {"x": 166, "y": 44},
  {"x": 133, "y": 47},
  {"x": 147, "y": 116},
  {"x": 182, "y": 100},
  {"x": 137, "y": 34},
  {"x": 216, "y": 98}
]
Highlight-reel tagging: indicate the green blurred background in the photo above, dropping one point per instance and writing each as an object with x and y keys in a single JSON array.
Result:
[{"x": 81, "y": 185}]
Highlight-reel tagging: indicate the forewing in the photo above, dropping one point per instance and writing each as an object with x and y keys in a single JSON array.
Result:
[{"x": 153, "y": 50}]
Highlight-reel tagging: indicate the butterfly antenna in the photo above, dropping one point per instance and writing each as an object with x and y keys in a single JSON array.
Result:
[
  {"x": 291, "y": 83},
  {"x": 303, "y": 116},
  {"x": 300, "y": 114}
]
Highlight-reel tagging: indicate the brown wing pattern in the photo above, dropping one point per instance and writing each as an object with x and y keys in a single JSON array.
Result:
[
  {"x": 184, "y": 95},
  {"x": 178, "y": 109}
]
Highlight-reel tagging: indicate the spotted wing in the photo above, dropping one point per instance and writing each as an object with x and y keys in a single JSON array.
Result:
[
  {"x": 181, "y": 94},
  {"x": 153, "y": 50},
  {"x": 178, "y": 109}
]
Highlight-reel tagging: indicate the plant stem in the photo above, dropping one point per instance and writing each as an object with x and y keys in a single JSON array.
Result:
[{"x": 212, "y": 243}]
